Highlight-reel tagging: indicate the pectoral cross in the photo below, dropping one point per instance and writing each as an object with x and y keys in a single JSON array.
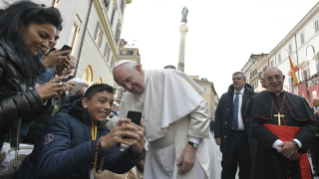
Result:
[{"x": 279, "y": 115}]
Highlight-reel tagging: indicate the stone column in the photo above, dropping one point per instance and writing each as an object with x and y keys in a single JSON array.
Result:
[{"x": 183, "y": 30}]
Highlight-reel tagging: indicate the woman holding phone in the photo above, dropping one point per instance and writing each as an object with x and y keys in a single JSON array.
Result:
[{"x": 26, "y": 28}]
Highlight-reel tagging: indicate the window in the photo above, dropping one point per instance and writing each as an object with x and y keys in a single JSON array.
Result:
[
  {"x": 316, "y": 26},
  {"x": 302, "y": 38},
  {"x": 272, "y": 63},
  {"x": 98, "y": 35},
  {"x": 259, "y": 75},
  {"x": 118, "y": 32},
  {"x": 279, "y": 58},
  {"x": 107, "y": 4},
  {"x": 112, "y": 63},
  {"x": 305, "y": 74},
  {"x": 107, "y": 52},
  {"x": 74, "y": 36},
  {"x": 290, "y": 49},
  {"x": 130, "y": 52},
  {"x": 122, "y": 6},
  {"x": 88, "y": 75},
  {"x": 55, "y": 3},
  {"x": 113, "y": 14},
  {"x": 205, "y": 90},
  {"x": 291, "y": 86}
]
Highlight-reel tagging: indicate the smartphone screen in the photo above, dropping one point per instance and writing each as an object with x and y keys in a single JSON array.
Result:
[{"x": 135, "y": 116}]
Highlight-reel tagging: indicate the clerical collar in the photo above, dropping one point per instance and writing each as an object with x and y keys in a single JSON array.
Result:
[{"x": 277, "y": 94}]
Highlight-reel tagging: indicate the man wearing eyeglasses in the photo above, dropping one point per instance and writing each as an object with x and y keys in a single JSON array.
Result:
[{"x": 284, "y": 128}]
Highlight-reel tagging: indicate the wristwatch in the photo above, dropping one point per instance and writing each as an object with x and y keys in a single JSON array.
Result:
[
  {"x": 295, "y": 143},
  {"x": 194, "y": 145}
]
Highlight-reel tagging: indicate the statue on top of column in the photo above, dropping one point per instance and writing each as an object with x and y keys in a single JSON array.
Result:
[{"x": 184, "y": 13}]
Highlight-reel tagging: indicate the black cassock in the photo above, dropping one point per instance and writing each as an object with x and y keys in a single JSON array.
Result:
[{"x": 298, "y": 122}]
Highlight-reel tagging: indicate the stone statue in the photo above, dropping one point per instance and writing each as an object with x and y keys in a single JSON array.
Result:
[{"x": 184, "y": 13}]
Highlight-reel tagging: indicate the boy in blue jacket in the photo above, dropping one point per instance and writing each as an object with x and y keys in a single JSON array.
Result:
[{"x": 66, "y": 147}]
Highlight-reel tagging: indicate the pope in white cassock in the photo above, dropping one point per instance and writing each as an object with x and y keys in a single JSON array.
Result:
[{"x": 176, "y": 121}]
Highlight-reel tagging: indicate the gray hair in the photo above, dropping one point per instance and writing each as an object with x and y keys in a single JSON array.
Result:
[
  {"x": 239, "y": 72},
  {"x": 272, "y": 68}
]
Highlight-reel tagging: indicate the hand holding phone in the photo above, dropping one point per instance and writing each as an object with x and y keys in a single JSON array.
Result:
[{"x": 64, "y": 48}]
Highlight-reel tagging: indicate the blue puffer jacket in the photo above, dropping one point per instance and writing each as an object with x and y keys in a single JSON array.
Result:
[{"x": 65, "y": 149}]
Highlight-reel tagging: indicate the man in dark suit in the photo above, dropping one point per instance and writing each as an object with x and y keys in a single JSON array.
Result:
[
  {"x": 314, "y": 148},
  {"x": 231, "y": 129}
]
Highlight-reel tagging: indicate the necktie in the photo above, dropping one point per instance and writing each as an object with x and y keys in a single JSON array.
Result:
[{"x": 235, "y": 113}]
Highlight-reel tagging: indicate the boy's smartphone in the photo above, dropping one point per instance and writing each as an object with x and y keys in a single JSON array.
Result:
[
  {"x": 65, "y": 47},
  {"x": 135, "y": 116}
]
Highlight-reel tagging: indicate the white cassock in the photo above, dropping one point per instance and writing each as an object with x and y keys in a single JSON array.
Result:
[{"x": 172, "y": 111}]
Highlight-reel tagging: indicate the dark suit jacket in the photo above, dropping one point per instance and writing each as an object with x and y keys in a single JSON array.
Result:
[
  {"x": 317, "y": 117},
  {"x": 224, "y": 116}
]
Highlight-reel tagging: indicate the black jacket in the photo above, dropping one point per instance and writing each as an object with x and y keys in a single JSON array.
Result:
[
  {"x": 317, "y": 118},
  {"x": 16, "y": 100},
  {"x": 224, "y": 116}
]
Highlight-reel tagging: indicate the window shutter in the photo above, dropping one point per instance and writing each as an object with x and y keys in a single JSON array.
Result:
[
  {"x": 113, "y": 14},
  {"x": 118, "y": 35},
  {"x": 122, "y": 6},
  {"x": 96, "y": 29},
  {"x": 102, "y": 33},
  {"x": 105, "y": 50}
]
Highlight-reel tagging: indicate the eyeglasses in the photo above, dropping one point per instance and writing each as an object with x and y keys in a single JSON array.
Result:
[{"x": 277, "y": 77}]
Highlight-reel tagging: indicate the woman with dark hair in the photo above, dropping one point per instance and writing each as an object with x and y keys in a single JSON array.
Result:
[{"x": 25, "y": 29}]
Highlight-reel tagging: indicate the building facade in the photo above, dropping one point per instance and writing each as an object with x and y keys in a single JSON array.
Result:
[
  {"x": 209, "y": 94},
  {"x": 254, "y": 69},
  {"x": 302, "y": 44},
  {"x": 93, "y": 29}
]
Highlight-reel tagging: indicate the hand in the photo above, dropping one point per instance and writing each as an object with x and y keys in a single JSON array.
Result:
[
  {"x": 294, "y": 157},
  {"x": 124, "y": 128},
  {"x": 317, "y": 134},
  {"x": 81, "y": 91},
  {"x": 139, "y": 145},
  {"x": 70, "y": 85},
  {"x": 55, "y": 58},
  {"x": 218, "y": 141},
  {"x": 316, "y": 112},
  {"x": 51, "y": 89},
  {"x": 289, "y": 150},
  {"x": 187, "y": 160}
]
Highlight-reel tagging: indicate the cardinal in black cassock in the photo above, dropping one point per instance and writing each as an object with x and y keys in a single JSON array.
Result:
[{"x": 296, "y": 124}]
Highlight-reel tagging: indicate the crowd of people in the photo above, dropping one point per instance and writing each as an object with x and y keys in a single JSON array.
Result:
[{"x": 86, "y": 135}]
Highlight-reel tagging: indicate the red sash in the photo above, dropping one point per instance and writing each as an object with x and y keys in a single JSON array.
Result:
[{"x": 287, "y": 133}]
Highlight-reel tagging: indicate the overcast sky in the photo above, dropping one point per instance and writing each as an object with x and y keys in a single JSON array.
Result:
[{"x": 222, "y": 33}]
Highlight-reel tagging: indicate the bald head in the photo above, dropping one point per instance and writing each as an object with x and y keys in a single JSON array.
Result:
[
  {"x": 130, "y": 76},
  {"x": 274, "y": 80}
]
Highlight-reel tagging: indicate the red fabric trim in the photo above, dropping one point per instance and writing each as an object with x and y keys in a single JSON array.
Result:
[{"x": 287, "y": 133}]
